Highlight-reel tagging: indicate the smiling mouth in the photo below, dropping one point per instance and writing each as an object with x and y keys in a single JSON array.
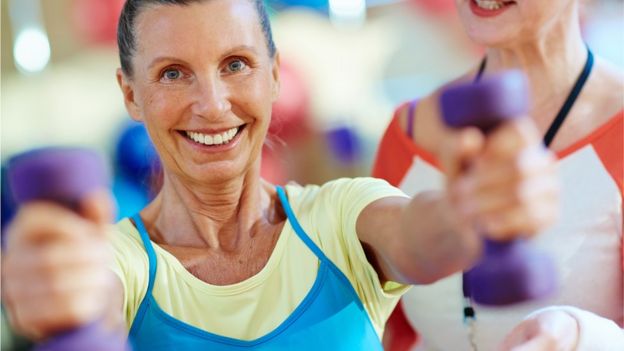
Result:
[
  {"x": 214, "y": 139},
  {"x": 492, "y": 4}
]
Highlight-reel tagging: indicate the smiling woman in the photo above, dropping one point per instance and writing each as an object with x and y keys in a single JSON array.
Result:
[
  {"x": 196, "y": 91},
  {"x": 221, "y": 259}
]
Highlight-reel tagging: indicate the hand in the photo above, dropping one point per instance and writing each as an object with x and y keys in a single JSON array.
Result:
[
  {"x": 504, "y": 183},
  {"x": 548, "y": 331},
  {"x": 55, "y": 269}
]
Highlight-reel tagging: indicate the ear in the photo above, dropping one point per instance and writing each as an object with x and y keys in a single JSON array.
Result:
[
  {"x": 127, "y": 89},
  {"x": 276, "y": 76}
]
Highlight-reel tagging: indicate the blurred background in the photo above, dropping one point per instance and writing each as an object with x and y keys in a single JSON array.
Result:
[{"x": 346, "y": 65}]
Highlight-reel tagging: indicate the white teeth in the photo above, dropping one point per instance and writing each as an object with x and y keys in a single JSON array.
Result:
[
  {"x": 489, "y": 4},
  {"x": 213, "y": 139},
  {"x": 208, "y": 140}
]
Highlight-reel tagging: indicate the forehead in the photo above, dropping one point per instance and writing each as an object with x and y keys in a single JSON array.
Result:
[{"x": 208, "y": 27}]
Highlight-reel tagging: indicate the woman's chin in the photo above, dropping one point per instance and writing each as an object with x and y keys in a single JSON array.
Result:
[
  {"x": 217, "y": 173},
  {"x": 491, "y": 37},
  {"x": 496, "y": 32}
]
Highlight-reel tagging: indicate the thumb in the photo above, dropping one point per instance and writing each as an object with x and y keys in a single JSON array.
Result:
[
  {"x": 98, "y": 206},
  {"x": 459, "y": 151}
]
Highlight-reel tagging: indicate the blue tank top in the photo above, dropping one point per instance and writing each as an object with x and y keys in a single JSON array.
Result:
[{"x": 330, "y": 317}]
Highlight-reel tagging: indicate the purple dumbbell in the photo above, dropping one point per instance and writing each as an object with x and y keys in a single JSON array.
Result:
[
  {"x": 64, "y": 176},
  {"x": 511, "y": 271}
]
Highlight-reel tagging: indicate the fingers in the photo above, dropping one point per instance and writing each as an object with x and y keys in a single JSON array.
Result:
[
  {"x": 549, "y": 330},
  {"x": 527, "y": 163},
  {"x": 55, "y": 271},
  {"x": 50, "y": 315},
  {"x": 511, "y": 197},
  {"x": 53, "y": 287},
  {"x": 458, "y": 151},
  {"x": 510, "y": 187},
  {"x": 98, "y": 207},
  {"x": 39, "y": 223},
  {"x": 510, "y": 138},
  {"x": 526, "y": 330}
]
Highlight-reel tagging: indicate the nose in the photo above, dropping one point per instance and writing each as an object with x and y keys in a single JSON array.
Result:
[{"x": 211, "y": 98}]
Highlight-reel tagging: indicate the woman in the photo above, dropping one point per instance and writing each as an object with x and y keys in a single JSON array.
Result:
[
  {"x": 543, "y": 39},
  {"x": 222, "y": 260}
]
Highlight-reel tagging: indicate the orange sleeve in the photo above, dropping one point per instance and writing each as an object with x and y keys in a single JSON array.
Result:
[
  {"x": 610, "y": 148},
  {"x": 393, "y": 159}
]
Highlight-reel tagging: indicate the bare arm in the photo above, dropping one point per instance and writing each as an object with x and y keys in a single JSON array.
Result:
[
  {"x": 505, "y": 185},
  {"x": 417, "y": 241}
]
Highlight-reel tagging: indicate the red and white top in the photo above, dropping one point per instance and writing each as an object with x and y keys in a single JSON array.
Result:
[{"x": 586, "y": 244}]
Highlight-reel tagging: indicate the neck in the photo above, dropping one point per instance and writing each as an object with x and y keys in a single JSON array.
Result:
[
  {"x": 223, "y": 216},
  {"x": 552, "y": 62}
]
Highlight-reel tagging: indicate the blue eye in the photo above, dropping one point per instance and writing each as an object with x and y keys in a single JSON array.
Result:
[
  {"x": 172, "y": 74},
  {"x": 236, "y": 65}
]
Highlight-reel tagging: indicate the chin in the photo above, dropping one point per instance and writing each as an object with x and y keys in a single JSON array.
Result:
[
  {"x": 490, "y": 38},
  {"x": 217, "y": 172},
  {"x": 490, "y": 32},
  {"x": 493, "y": 35}
]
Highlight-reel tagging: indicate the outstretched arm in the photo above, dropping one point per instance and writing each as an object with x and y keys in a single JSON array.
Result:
[{"x": 505, "y": 185}]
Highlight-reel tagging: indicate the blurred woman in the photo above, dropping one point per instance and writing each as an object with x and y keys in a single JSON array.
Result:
[{"x": 577, "y": 105}]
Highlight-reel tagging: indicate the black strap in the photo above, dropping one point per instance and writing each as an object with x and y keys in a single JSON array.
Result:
[
  {"x": 481, "y": 70},
  {"x": 569, "y": 102}
]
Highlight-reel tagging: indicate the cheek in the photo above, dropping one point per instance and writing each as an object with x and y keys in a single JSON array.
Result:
[
  {"x": 162, "y": 106},
  {"x": 257, "y": 99}
]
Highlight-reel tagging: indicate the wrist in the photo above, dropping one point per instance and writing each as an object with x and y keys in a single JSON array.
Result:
[{"x": 438, "y": 236}]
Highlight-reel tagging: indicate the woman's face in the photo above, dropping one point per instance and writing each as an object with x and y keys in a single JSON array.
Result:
[
  {"x": 203, "y": 84},
  {"x": 501, "y": 23}
]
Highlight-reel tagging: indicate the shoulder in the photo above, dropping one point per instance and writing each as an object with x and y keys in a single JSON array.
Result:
[
  {"x": 606, "y": 90},
  {"x": 340, "y": 188},
  {"x": 610, "y": 75},
  {"x": 359, "y": 187},
  {"x": 598, "y": 109},
  {"x": 338, "y": 202},
  {"x": 126, "y": 243}
]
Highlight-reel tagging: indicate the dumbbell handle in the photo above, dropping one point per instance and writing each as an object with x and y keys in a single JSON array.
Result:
[{"x": 64, "y": 176}]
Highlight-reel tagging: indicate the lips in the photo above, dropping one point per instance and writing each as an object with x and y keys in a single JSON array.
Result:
[
  {"x": 489, "y": 8},
  {"x": 213, "y": 139}
]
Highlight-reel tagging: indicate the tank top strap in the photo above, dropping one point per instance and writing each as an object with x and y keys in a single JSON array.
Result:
[
  {"x": 149, "y": 248},
  {"x": 297, "y": 227}
]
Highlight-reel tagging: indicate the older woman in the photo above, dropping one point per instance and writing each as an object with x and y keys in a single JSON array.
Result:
[
  {"x": 222, "y": 260},
  {"x": 578, "y": 107}
]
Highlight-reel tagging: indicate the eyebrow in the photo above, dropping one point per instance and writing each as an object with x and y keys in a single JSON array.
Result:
[
  {"x": 227, "y": 53},
  {"x": 239, "y": 48},
  {"x": 165, "y": 58}
]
